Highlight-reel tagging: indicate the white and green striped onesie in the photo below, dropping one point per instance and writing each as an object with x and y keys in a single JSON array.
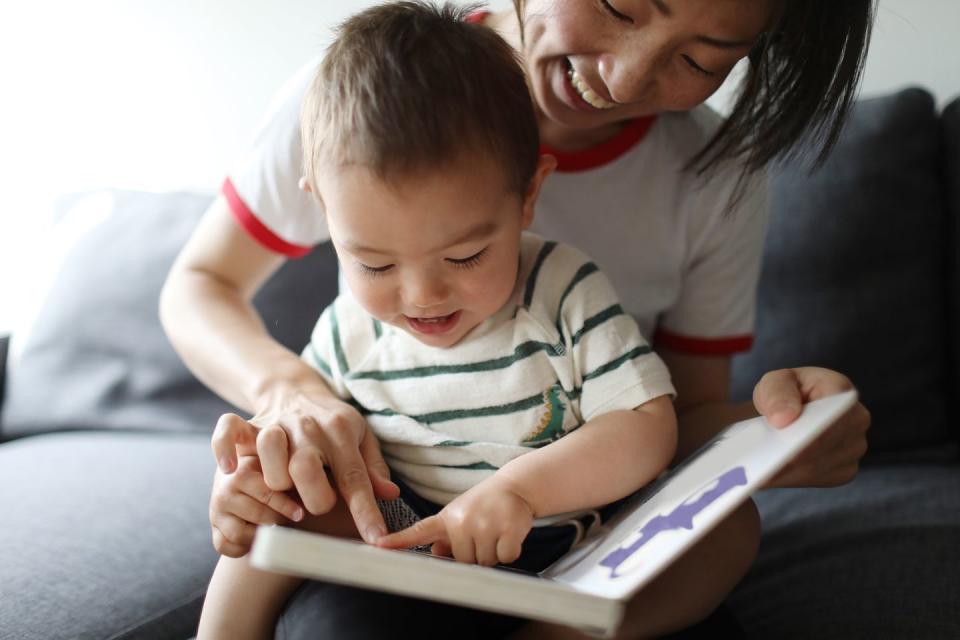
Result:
[{"x": 560, "y": 352}]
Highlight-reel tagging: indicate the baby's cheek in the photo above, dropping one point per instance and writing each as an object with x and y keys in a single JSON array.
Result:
[
  {"x": 373, "y": 297},
  {"x": 495, "y": 287}
]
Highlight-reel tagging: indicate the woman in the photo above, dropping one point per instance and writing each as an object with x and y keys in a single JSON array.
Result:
[{"x": 668, "y": 200}]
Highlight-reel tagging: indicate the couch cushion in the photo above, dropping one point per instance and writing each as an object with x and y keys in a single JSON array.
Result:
[
  {"x": 104, "y": 535},
  {"x": 854, "y": 271},
  {"x": 96, "y": 355},
  {"x": 876, "y": 558}
]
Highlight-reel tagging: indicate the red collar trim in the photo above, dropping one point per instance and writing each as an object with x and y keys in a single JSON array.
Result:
[{"x": 603, "y": 153}]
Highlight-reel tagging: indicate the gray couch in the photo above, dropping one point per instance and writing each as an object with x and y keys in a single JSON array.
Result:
[{"x": 105, "y": 466}]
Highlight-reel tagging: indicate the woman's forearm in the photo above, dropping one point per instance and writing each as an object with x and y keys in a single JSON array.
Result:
[
  {"x": 699, "y": 423},
  {"x": 607, "y": 458},
  {"x": 222, "y": 340},
  {"x": 206, "y": 311}
]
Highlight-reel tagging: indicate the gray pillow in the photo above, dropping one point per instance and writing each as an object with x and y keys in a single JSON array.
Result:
[
  {"x": 96, "y": 356},
  {"x": 854, "y": 271}
]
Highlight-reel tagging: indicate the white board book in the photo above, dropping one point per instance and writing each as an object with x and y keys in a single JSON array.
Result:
[{"x": 589, "y": 586}]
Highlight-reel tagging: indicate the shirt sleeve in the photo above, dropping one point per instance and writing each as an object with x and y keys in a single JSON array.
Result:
[
  {"x": 615, "y": 368},
  {"x": 715, "y": 311},
  {"x": 262, "y": 187}
]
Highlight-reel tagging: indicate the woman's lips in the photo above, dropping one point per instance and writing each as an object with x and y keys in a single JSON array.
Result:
[
  {"x": 435, "y": 325},
  {"x": 573, "y": 96}
]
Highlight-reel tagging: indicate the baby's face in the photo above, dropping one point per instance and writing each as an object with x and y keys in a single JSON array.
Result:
[{"x": 433, "y": 254}]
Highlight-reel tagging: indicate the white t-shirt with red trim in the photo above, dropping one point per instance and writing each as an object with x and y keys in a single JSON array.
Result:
[{"x": 683, "y": 262}]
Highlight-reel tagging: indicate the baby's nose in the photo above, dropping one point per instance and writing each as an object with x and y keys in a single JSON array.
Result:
[{"x": 425, "y": 292}]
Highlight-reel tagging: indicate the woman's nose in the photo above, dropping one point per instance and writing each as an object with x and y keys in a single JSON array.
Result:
[
  {"x": 630, "y": 69},
  {"x": 627, "y": 80}
]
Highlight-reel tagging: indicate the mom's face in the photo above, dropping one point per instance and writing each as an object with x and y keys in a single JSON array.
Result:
[{"x": 596, "y": 62}]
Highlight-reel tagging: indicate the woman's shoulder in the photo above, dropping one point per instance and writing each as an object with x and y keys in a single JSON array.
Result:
[{"x": 285, "y": 102}]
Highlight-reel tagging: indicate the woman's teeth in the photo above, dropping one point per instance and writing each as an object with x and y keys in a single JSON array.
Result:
[{"x": 589, "y": 96}]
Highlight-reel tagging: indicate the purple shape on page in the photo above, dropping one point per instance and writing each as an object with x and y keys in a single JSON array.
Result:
[{"x": 680, "y": 518}]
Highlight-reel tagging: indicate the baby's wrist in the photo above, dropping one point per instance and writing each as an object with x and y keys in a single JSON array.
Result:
[{"x": 507, "y": 483}]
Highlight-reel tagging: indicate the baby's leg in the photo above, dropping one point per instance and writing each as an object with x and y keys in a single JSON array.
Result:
[
  {"x": 244, "y": 602},
  {"x": 687, "y": 591}
]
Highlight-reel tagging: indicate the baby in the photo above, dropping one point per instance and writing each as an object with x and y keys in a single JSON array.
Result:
[{"x": 514, "y": 400}]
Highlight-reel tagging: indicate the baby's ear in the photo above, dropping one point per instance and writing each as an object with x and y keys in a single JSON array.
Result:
[
  {"x": 304, "y": 184},
  {"x": 545, "y": 166}
]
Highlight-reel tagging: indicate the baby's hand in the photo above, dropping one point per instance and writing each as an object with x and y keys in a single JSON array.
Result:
[
  {"x": 240, "y": 501},
  {"x": 486, "y": 525}
]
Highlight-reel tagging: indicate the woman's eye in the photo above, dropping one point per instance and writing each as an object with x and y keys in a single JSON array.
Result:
[
  {"x": 613, "y": 11},
  {"x": 468, "y": 262},
  {"x": 693, "y": 65},
  {"x": 373, "y": 271}
]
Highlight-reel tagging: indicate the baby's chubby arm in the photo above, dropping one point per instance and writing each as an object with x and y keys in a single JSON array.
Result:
[{"x": 607, "y": 458}]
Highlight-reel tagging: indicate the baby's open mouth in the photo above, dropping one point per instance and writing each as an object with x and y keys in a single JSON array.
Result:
[{"x": 434, "y": 324}]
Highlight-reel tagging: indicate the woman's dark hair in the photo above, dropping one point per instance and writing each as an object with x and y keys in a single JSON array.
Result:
[
  {"x": 800, "y": 83},
  {"x": 802, "y": 78}
]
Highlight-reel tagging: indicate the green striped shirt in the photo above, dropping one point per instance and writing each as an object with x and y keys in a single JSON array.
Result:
[{"x": 559, "y": 353}]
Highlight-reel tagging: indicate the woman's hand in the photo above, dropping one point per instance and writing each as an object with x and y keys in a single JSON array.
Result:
[
  {"x": 486, "y": 526},
  {"x": 240, "y": 501},
  {"x": 833, "y": 458},
  {"x": 297, "y": 438}
]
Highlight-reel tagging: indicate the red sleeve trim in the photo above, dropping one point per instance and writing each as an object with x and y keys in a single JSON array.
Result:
[
  {"x": 603, "y": 153},
  {"x": 704, "y": 346},
  {"x": 246, "y": 219}
]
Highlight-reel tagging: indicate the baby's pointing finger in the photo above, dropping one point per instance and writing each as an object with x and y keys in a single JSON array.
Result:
[{"x": 421, "y": 532}]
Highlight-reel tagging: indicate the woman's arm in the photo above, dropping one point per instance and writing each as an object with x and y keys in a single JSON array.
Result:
[
  {"x": 703, "y": 409},
  {"x": 206, "y": 311},
  {"x": 298, "y": 427}
]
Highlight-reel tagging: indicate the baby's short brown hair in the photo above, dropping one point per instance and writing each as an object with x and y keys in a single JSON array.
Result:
[{"x": 411, "y": 86}]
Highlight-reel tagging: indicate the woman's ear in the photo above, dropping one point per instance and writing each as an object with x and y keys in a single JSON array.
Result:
[{"x": 545, "y": 166}]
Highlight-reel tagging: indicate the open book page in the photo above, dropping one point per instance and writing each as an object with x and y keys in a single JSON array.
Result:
[{"x": 668, "y": 517}]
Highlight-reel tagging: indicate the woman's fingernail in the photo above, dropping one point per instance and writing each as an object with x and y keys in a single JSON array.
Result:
[
  {"x": 375, "y": 532},
  {"x": 298, "y": 515},
  {"x": 782, "y": 416},
  {"x": 226, "y": 464}
]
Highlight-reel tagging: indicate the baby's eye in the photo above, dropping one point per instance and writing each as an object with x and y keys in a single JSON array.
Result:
[
  {"x": 471, "y": 261},
  {"x": 373, "y": 272}
]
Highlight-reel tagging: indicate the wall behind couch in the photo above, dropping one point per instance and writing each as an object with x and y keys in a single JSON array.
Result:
[{"x": 163, "y": 95}]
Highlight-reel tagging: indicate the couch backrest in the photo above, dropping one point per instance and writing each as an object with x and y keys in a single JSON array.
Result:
[
  {"x": 96, "y": 355},
  {"x": 854, "y": 273},
  {"x": 950, "y": 120}
]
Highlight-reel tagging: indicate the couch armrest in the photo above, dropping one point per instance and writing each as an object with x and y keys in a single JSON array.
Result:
[{"x": 4, "y": 349}]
